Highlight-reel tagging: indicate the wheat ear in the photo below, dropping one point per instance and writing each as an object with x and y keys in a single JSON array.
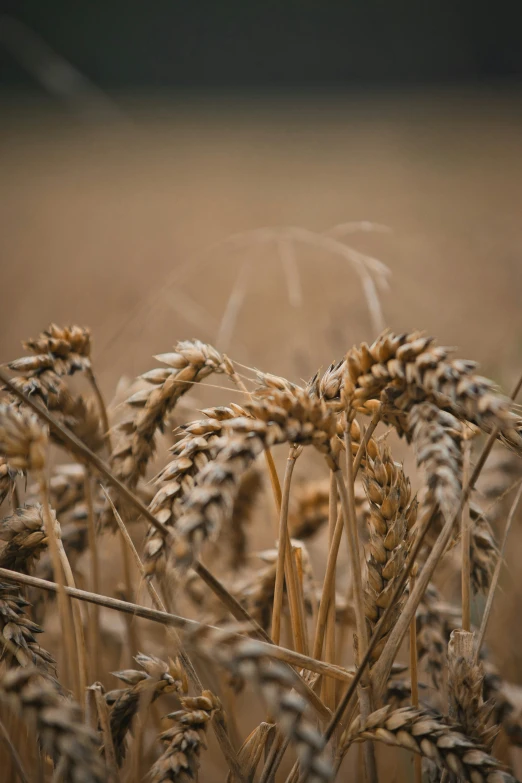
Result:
[
  {"x": 185, "y": 740},
  {"x": 428, "y": 734},
  {"x": 58, "y": 724}
]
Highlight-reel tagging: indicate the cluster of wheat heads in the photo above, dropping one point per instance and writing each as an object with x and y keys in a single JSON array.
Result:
[{"x": 243, "y": 665}]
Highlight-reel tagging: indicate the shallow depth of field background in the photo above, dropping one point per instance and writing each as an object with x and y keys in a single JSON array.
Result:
[{"x": 116, "y": 210}]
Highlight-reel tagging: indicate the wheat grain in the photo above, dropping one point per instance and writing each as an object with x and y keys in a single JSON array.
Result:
[
  {"x": 17, "y": 632},
  {"x": 278, "y": 417},
  {"x": 23, "y": 441},
  {"x": 185, "y": 740},
  {"x": 155, "y": 678},
  {"x": 190, "y": 455},
  {"x": 420, "y": 371},
  {"x": 392, "y": 516},
  {"x": 190, "y": 362},
  {"x": 25, "y": 536},
  {"x": 426, "y": 733},
  {"x": 465, "y": 688}
]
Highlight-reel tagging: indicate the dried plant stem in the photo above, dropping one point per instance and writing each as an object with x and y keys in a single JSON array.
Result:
[
  {"x": 274, "y": 479},
  {"x": 101, "y": 406},
  {"x": 15, "y": 756},
  {"x": 417, "y": 760},
  {"x": 94, "y": 613},
  {"x": 346, "y": 492},
  {"x": 290, "y": 570},
  {"x": 252, "y": 748},
  {"x": 466, "y": 545},
  {"x": 328, "y": 586},
  {"x": 333, "y": 551},
  {"x": 165, "y": 618},
  {"x": 297, "y": 558},
  {"x": 103, "y": 720},
  {"x": 281, "y": 551},
  {"x": 64, "y": 603},
  {"x": 274, "y": 758},
  {"x": 77, "y": 620},
  {"x": 496, "y": 574},
  {"x": 128, "y": 590},
  {"x": 329, "y": 689}
]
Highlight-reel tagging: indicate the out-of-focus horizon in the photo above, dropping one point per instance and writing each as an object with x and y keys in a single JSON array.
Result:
[{"x": 137, "y": 143}]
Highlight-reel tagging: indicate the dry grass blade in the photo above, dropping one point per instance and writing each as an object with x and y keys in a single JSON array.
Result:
[{"x": 166, "y": 618}]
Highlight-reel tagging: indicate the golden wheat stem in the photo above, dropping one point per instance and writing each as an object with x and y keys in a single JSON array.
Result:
[
  {"x": 281, "y": 551},
  {"x": 14, "y": 755},
  {"x": 166, "y": 618},
  {"x": 346, "y": 492},
  {"x": 414, "y": 677},
  {"x": 101, "y": 406},
  {"x": 333, "y": 551},
  {"x": 496, "y": 574},
  {"x": 132, "y": 631},
  {"x": 466, "y": 544},
  {"x": 94, "y": 614},
  {"x": 274, "y": 758},
  {"x": 77, "y": 620},
  {"x": 64, "y": 603},
  {"x": 297, "y": 557},
  {"x": 329, "y": 688},
  {"x": 103, "y": 719}
]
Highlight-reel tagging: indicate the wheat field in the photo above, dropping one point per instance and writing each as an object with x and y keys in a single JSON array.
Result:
[{"x": 284, "y": 549}]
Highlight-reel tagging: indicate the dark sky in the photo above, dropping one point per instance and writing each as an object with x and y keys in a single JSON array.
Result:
[{"x": 247, "y": 45}]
